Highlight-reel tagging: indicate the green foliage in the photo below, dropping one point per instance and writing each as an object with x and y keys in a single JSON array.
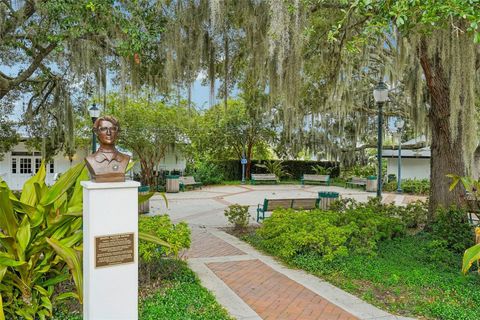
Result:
[
  {"x": 237, "y": 215},
  {"x": 274, "y": 167},
  {"x": 208, "y": 173},
  {"x": 451, "y": 225},
  {"x": 359, "y": 171},
  {"x": 321, "y": 170},
  {"x": 149, "y": 130},
  {"x": 232, "y": 169},
  {"x": 355, "y": 227},
  {"x": 411, "y": 186},
  {"x": 414, "y": 215},
  {"x": 41, "y": 240},
  {"x": 183, "y": 297},
  {"x": 223, "y": 133},
  {"x": 179, "y": 296},
  {"x": 407, "y": 276},
  {"x": 160, "y": 226}
]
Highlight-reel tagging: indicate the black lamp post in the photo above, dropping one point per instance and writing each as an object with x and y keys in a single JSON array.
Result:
[
  {"x": 94, "y": 114},
  {"x": 380, "y": 94},
  {"x": 399, "y": 124}
]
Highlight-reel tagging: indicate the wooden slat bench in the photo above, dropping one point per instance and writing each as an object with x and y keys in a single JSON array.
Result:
[
  {"x": 189, "y": 181},
  {"x": 356, "y": 181},
  {"x": 315, "y": 179},
  {"x": 297, "y": 204},
  {"x": 260, "y": 177}
]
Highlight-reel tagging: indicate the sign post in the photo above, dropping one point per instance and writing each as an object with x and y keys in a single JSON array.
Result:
[
  {"x": 243, "y": 161},
  {"x": 110, "y": 250}
]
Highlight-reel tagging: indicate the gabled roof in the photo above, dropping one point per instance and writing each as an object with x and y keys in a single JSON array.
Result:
[{"x": 410, "y": 153}]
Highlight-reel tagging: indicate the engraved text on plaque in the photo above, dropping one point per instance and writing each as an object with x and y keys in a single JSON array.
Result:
[{"x": 114, "y": 249}]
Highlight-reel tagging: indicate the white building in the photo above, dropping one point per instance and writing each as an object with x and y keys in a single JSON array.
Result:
[
  {"x": 20, "y": 164},
  {"x": 415, "y": 162}
]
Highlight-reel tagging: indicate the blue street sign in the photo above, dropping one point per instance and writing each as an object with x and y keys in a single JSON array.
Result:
[{"x": 243, "y": 161}]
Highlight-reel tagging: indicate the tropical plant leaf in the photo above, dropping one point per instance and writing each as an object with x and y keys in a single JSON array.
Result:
[
  {"x": 151, "y": 238},
  {"x": 66, "y": 295},
  {"x": 2, "y": 315},
  {"x": 64, "y": 183},
  {"x": 471, "y": 255},
  {"x": 3, "y": 270},
  {"x": 144, "y": 197},
  {"x": 29, "y": 195},
  {"x": 23, "y": 237},
  {"x": 74, "y": 263},
  {"x": 9, "y": 262},
  {"x": 76, "y": 199},
  {"x": 53, "y": 281},
  {"x": 130, "y": 165},
  {"x": 8, "y": 222}
]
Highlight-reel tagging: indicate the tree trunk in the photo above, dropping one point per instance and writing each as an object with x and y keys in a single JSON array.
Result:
[
  {"x": 446, "y": 153},
  {"x": 249, "y": 161}
]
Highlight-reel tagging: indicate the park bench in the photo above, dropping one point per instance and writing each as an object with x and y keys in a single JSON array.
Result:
[
  {"x": 261, "y": 177},
  {"x": 315, "y": 179},
  {"x": 356, "y": 181},
  {"x": 189, "y": 181},
  {"x": 296, "y": 204}
]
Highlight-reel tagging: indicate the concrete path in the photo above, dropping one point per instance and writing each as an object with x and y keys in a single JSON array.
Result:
[{"x": 251, "y": 285}]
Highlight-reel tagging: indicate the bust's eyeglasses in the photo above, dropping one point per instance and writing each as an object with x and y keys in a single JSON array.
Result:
[{"x": 105, "y": 129}]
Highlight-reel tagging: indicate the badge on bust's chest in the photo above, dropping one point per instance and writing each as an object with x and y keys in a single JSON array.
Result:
[{"x": 115, "y": 167}]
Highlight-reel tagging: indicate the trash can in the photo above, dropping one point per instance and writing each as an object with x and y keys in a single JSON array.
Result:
[
  {"x": 173, "y": 183},
  {"x": 326, "y": 198},
  {"x": 143, "y": 207},
  {"x": 371, "y": 184}
]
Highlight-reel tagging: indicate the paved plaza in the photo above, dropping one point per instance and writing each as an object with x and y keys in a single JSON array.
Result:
[{"x": 249, "y": 284}]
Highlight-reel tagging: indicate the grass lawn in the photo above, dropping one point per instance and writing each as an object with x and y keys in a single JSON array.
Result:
[
  {"x": 179, "y": 296},
  {"x": 410, "y": 276}
]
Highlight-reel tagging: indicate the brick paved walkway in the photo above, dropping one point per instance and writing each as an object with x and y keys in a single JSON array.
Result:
[{"x": 253, "y": 286}]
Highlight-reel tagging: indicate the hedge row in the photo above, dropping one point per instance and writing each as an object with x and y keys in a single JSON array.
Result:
[{"x": 232, "y": 169}]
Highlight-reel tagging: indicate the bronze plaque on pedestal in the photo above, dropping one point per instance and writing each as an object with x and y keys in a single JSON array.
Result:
[{"x": 114, "y": 250}]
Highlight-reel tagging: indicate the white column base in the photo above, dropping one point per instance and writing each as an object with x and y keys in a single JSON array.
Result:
[{"x": 110, "y": 292}]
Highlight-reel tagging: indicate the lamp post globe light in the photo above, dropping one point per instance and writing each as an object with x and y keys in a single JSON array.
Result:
[
  {"x": 399, "y": 125},
  {"x": 94, "y": 113},
  {"x": 380, "y": 94}
]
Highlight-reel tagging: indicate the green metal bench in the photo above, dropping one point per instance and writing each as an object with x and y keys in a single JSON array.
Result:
[
  {"x": 315, "y": 179},
  {"x": 296, "y": 204},
  {"x": 189, "y": 181},
  {"x": 261, "y": 177},
  {"x": 356, "y": 181}
]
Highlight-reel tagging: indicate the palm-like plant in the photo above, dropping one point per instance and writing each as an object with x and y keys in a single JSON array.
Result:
[
  {"x": 274, "y": 167},
  {"x": 472, "y": 187},
  {"x": 41, "y": 240}
]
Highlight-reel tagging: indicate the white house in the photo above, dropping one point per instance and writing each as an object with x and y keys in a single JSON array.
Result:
[
  {"x": 415, "y": 162},
  {"x": 20, "y": 164}
]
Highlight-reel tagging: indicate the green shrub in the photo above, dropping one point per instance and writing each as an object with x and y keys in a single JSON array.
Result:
[
  {"x": 208, "y": 173},
  {"x": 274, "y": 167},
  {"x": 237, "y": 215},
  {"x": 359, "y": 171},
  {"x": 40, "y": 242},
  {"x": 355, "y": 227},
  {"x": 414, "y": 215},
  {"x": 321, "y": 170},
  {"x": 451, "y": 226},
  {"x": 232, "y": 169},
  {"x": 176, "y": 235},
  {"x": 411, "y": 186}
]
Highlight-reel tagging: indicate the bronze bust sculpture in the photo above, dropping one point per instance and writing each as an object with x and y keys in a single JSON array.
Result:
[{"x": 107, "y": 164}]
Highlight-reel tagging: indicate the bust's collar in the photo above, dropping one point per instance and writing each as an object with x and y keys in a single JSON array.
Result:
[{"x": 101, "y": 156}]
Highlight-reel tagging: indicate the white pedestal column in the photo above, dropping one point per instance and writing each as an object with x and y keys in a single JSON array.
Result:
[{"x": 110, "y": 217}]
